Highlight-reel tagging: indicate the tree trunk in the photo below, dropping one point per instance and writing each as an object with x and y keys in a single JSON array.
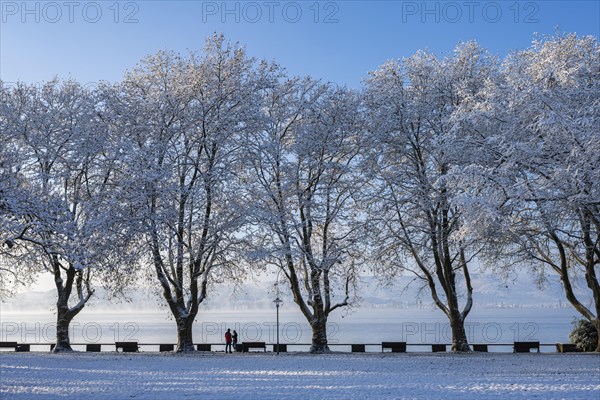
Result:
[
  {"x": 64, "y": 314},
  {"x": 63, "y": 319},
  {"x": 319, "y": 338},
  {"x": 596, "y": 323},
  {"x": 590, "y": 277},
  {"x": 592, "y": 256},
  {"x": 459, "y": 336},
  {"x": 185, "y": 339}
]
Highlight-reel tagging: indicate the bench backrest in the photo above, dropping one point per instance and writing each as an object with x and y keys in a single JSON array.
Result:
[
  {"x": 388, "y": 345},
  {"x": 254, "y": 344},
  {"x": 528, "y": 344},
  {"x": 128, "y": 347},
  {"x": 396, "y": 347},
  {"x": 93, "y": 347},
  {"x": 438, "y": 348},
  {"x": 524, "y": 347}
]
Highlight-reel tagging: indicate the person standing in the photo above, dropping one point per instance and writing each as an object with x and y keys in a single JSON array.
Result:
[
  {"x": 234, "y": 339},
  {"x": 228, "y": 341}
]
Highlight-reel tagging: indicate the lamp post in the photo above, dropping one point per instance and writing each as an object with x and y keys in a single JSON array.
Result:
[{"x": 277, "y": 302}]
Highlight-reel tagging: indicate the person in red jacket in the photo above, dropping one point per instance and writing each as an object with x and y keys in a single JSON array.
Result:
[{"x": 228, "y": 341}]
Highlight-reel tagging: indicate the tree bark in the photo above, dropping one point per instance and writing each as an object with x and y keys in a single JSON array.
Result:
[
  {"x": 63, "y": 319},
  {"x": 447, "y": 277},
  {"x": 319, "y": 336},
  {"x": 64, "y": 313},
  {"x": 185, "y": 339},
  {"x": 459, "y": 336},
  {"x": 596, "y": 323}
]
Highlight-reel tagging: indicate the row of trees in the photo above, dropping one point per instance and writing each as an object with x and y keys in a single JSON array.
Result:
[{"x": 205, "y": 168}]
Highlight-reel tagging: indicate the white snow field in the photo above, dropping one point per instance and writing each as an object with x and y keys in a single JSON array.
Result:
[{"x": 299, "y": 376}]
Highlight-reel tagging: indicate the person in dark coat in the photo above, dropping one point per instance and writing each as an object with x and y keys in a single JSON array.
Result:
[
  {"x": 234, "y": 339},
  {"x": 228, "y": 341}
]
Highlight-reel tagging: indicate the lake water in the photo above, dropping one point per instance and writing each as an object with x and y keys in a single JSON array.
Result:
[{"x": 368, "y": 326}]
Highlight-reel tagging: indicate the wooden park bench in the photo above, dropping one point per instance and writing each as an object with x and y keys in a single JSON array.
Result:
[
  {"x": 166, "y": 347},
  {"x": 482, "y": 348},
  {"x": 358, "y": 348},
  {"x": 7, "y": 345},
  {"x": 395, "y": 347},
  {"x": 526, "y": 347},
  {"x": 282, "y": 348},
  {"x": 438, "y": 348},
  {"x": 93, "y": 347},
  {"x": 203, "y": 347},
  {"x": 566, "y": 348},
  {"x": 23, "y": 348},
  {"x": 253, "y": 345},
  {"x": 18, "y": 347},
  {"x": 127, "y": 347}
]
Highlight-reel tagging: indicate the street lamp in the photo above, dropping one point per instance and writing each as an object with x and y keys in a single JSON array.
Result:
[{"x": 278, "y": 302}]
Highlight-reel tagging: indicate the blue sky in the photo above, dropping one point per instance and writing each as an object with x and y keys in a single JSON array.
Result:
[{"x": 339, "y": 41}]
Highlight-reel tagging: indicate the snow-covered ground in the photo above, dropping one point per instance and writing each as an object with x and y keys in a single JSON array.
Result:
[{"x": 299, "y": 376}]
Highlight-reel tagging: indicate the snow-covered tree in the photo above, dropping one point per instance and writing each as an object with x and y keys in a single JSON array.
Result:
[
  {"x": 303, "y": 176},
  {"x": 56, "y": 209},
  {"x": 533, "y": 149},
  {"x": 183, "y": 118},
  {"x": 12, "y": 201},
  {"x": 415, "y": 215}
]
